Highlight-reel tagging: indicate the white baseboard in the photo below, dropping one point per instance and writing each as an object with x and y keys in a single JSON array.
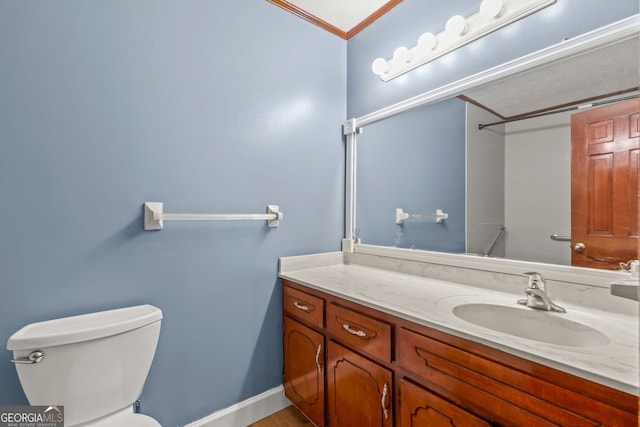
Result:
[{"x": 246, "y": 412}]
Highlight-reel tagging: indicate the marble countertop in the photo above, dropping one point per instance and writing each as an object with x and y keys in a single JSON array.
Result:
[{"x": 431, "y": 302}]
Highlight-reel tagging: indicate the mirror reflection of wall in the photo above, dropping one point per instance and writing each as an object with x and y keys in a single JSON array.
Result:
[
  {"x": 529, "y": 193},
  {"x": 485, "y": 152},
  {"x": 517, "y": 175},
  {"x": 514, "y": 176},
  {"x": 414, "y": 161}
]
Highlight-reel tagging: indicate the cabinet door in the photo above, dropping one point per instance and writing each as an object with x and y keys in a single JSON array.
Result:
[
  {"x": 421, "y": 408},
  {"x": 303, "y": 369},
  {"x": 359, "y": 392}
]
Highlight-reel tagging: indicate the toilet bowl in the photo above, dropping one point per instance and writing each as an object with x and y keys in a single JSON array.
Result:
[{"x": 95, "y": 365}]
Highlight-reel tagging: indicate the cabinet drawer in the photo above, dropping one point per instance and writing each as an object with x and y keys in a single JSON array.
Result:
[
  {"x": 360, "y": 331},
  {"x": 515, "y": 398},
  {"x": 419, "y": 407},
  {"x": 305, "y": 307}
]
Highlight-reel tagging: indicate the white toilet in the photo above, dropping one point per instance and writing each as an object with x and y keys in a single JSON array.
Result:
[{"x": 94, "y": 364}]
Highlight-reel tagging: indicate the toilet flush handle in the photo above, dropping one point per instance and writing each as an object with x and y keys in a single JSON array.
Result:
[{"x": 34, "y": 357}]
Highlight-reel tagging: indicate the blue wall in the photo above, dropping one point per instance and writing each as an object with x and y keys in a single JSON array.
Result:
[
  {"x": 207, "y": 106},
  {"x": 422, "y": 187}
]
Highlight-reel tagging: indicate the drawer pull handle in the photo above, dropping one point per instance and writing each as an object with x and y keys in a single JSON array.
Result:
[
  {"x": 299, "y": 306},
  {"x": 385, "y": 410},
  {"x": 604, "y": 258},
  {"x": 347, "y": 328},
  {"x": 318, "y": 358}
]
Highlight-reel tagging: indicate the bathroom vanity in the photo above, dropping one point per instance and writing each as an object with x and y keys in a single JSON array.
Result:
[{"x": 382, "y": 341}]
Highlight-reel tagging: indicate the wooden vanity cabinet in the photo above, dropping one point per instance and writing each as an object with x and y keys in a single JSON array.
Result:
[{"x": 385, "y": 371}]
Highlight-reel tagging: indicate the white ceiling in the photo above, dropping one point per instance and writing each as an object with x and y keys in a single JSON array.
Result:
[{"x": 342, "y": 14}]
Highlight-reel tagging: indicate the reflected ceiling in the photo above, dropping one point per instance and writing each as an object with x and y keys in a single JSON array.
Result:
[{"x": 572, "y": 81}]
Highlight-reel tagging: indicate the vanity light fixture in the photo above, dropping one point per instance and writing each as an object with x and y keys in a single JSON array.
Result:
[{"x": 492, "y": 15}]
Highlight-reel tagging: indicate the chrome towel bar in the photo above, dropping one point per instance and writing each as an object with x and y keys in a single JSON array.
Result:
[{"x": 401, "y": 216}]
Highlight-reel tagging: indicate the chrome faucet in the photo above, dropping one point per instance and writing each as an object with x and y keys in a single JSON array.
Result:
[{"x": 537, "y": 294}]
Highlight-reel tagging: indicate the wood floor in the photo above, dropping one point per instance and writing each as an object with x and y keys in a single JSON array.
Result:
[{"x": 288, "y": 417}]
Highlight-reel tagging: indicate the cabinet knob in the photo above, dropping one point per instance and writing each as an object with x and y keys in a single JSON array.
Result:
[{"x": 579, "y": 247}]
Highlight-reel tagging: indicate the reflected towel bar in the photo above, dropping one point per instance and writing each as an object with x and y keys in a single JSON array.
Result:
[
  {"x": 154, "y": 216},
  {"x": 501, "y": 230},
  {"x": 401, "y": 216},
  {"x": 560, "y": 238}
]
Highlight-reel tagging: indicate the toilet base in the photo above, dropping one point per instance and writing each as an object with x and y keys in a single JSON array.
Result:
[{"x": 124, "y": 418}]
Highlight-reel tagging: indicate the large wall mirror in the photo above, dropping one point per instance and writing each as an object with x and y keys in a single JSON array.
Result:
[{"x": 507, "y": 188}]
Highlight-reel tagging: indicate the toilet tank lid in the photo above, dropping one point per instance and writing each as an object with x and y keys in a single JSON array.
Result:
[{"x": 85, "y": 327}]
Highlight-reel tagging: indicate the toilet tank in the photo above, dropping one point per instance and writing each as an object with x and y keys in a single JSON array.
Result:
[{"x": 94, "y": 364}]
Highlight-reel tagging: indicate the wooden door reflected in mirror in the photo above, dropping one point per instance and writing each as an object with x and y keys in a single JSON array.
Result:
[{"x": 605, "y": 148}]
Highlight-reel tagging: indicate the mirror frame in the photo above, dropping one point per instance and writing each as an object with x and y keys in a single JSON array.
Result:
[{"x": 617, "y": 31}]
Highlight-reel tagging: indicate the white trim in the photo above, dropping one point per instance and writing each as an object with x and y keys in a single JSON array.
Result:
[
  {"x": 350, "y": 184},
  {"x": 246, "y": 412}
]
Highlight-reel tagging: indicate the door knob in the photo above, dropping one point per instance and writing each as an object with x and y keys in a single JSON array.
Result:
[{"x": 579, "y": 247}]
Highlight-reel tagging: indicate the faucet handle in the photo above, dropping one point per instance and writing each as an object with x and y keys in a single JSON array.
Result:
[{"x": 536, "y": 280}]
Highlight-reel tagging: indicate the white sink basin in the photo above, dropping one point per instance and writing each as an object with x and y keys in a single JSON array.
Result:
[{"x": 532, "y": 324}]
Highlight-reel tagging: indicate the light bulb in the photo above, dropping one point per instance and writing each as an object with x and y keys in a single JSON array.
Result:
[
  {"x": 402, "y": 54},
  {"x": 380, "y": 66},
  {"x": 457, "y": 25},
  {"x": 491, "y": 8},
  {"x": 428, "y": 41}
]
